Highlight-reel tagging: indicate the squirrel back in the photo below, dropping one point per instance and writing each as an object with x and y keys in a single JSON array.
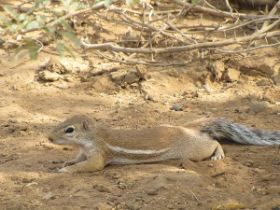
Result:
[{"x": 223, "y": 129}]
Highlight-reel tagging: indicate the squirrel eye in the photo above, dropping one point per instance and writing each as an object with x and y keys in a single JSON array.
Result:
[{"x": 69, "y": 130}]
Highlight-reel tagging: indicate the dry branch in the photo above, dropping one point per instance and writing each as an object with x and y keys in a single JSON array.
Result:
[
  {"x": 166, "y": 23},
  {"x": 216, "y": 12},
  {"x": 114, "y": 47}
]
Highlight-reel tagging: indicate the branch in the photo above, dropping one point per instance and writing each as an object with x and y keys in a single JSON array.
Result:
[
  {"x": 114, "y": 47},
  {"x": 271, "y": 13},
  {"x": 216, "y": 12},
  {"x": 143, "y": 62},
  {"x": 221, "y": 51}
]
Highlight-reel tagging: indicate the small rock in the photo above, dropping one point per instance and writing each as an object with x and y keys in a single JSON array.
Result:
[
  {"x": 104, "y": 84},
  {"x": 45, "y": 64},
  {"x": 132, "y": 37},
  {"x": 26, "y": 180},
  {"x": 264, "y": 82},
  {"x": 193, "y": 94},
  {"x": 152, "y": 192},
  {"x": 48, "y": 196},
  {"x": 103, "y": 206},
  {"x": 269, "y": 177},
  {"x": 12, "y": 120},
  {"x": 276, "y": 79},
  {"x": 15, "y": 87},
  {"x": 1, "y": 42},
  {"x": 62, "y": 85},
  {"x": 48, "y": 76},
  {"x": 122, "y": 185},
  {"x": 102, "y": 188},
  {"x": 229, "y": 205},
  {"x": 31, "y": 184},
  {"x": 231, "y": 75},
  {"x": 257, "y": 170},
  {"x": 156, "y": 185},
  {"x": 268, "y": 66},
  {"x": 149, "y": 97},
  {"x": 217, "y": 68},
  {"x": 73, "y": 65},
  {"x": 133, "y": 204},
  {"x": 177, "y": 107},
  {"x": 259, "y": 106},
  {"x": 131, "y": 77},
  {"x": 210, "y": 165},
  {"x": 118, "y": 76},
  {"x": 68, "y": 78},
  {"x": 275, "y": 208},
  {"x": 249, "y": 164},
  {"x": 274, "y": 190}
]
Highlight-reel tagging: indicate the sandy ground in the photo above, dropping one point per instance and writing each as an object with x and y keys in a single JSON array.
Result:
[{"x": 247, "y": 178}]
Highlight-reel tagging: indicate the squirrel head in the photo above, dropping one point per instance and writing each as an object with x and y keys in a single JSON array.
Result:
[{"x": 73, "y": 131}]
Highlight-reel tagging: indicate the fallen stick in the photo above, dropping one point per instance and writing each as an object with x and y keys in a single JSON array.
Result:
[
  {"x": 114, "y": 47},
  {"x": 216, "y": 12}
]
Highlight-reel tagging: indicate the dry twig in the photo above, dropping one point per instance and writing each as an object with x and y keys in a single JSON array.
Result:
[{"x": 114, "y": 47}]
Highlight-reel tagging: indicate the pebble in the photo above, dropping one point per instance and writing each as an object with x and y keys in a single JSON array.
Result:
[
  {"x": 177, "y": 107},
  {"x": 102, "y": 188},
  {"x": 259, "y": 106},
  {"x": 231, "y": 75},
  {"x": 48, "y": 196},
  {"x": 48, "y": 76}
]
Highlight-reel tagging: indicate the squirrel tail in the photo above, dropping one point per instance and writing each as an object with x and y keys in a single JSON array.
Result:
[{"x": 223, "y": 129}]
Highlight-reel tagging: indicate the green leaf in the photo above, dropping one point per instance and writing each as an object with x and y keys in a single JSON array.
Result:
[
  {"x": 12, "y": 12},
  {"x": 194, "y": 1},
  {"x": 107, "y": 3},
  {"x": 14, "y": 28},
  {"x": 66, "y": 25},
  {"x": 50, "y": 30},
  {"x": 62, "y": 49},
  {"x": 33, "y": 24},
  {"x": 32, "y": 47},
  {"x": 22, "y": 17},
  {"x": 131, "y": 3},
  {"x": 71, "y": 36},
  {"x": 4, "y": 21}
]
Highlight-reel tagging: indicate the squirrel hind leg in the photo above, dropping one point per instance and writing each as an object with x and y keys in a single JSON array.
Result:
[{"x": 200, "y": 150}]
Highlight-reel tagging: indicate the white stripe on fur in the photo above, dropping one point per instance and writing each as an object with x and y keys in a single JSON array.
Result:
[{"x": 136, "y": 152}]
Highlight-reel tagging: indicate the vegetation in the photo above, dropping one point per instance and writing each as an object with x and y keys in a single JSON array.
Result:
[{"x": 33, "y": 25}]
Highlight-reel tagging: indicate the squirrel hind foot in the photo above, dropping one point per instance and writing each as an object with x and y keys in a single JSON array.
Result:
[
  {"x": 218, "y": 154},
  {"x": 218, "y": 157}
]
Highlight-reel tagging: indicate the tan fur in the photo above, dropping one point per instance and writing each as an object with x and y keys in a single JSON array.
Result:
[{"x": 101, "y": 146}]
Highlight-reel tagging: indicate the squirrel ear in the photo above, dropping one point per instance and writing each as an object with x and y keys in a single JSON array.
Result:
[{"x": 86, "y": 125}]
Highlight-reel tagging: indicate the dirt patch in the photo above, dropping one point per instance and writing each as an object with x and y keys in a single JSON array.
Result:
[{"x": 28, "y": 162}]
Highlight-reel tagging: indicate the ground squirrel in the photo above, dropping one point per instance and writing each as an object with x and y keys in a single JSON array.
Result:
[{"x": 101, "y": 146}]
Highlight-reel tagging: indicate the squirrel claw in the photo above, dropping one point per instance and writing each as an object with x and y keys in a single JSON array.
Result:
[{"x": 217, "y": 157}]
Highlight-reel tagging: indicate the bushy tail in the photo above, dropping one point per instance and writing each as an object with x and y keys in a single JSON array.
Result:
[{"x": 223, "y": 129}]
